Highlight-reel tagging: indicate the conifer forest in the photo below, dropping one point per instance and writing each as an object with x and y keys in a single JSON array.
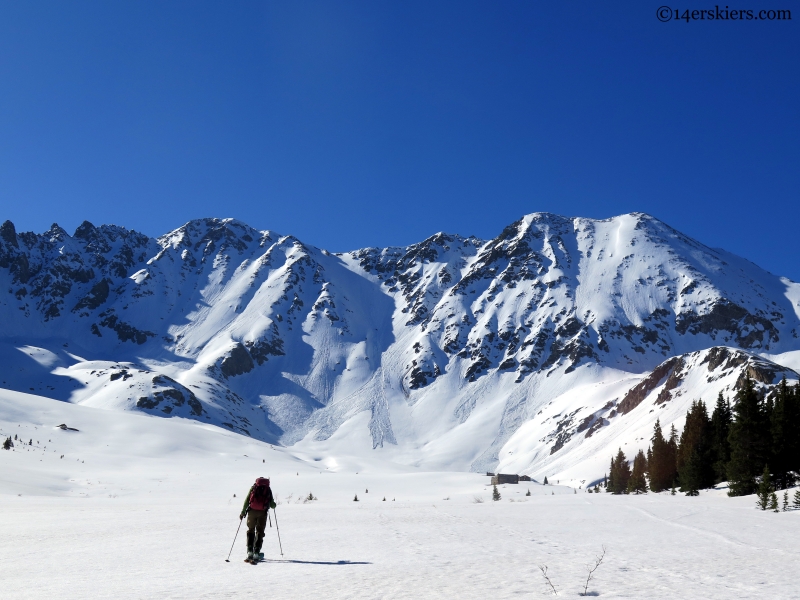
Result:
[{"x": 752, "y": 443}]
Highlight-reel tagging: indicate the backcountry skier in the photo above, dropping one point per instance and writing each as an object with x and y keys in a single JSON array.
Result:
[{"x": 256, "y": 505}]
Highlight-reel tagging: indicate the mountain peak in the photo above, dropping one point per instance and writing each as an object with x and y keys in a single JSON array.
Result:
[
  {"x": 8, "y": 234},
  {"x": 279, "y": 341}
]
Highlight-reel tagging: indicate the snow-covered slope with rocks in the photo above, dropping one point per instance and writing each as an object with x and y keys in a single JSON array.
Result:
[{"x": 539, "y": 351}]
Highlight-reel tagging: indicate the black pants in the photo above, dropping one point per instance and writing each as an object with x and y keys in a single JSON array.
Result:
[{"x": 256, "y": 522}]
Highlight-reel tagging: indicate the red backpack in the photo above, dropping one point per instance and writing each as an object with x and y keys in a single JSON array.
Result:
[{"x": 259, "y": 497}]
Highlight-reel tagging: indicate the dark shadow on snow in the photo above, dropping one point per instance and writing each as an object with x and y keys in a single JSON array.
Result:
[{"x": 316, "y": 562}]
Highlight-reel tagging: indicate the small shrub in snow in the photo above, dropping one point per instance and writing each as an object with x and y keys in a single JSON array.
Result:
[
  {"x": 528, "y": 493},
  {"x": 551, "y": 587},
  {"x": 477, "y": 500},
  {"x": 355, "y": 499},
  {"x": 592, "y": 568},
  {"x": 796, "y": 500}
]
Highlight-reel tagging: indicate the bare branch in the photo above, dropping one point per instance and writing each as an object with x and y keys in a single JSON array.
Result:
[
  {"x": 543, "y": 569},
  {"x": 598, "y": 560}
]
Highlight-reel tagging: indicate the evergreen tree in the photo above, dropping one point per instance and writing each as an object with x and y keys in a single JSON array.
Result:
[
  {"x": 637, "y": 484},
  {"x": 796, "y": 500},
  {"x": 655, "y": 459},
  {"x": 779, "y": 412},
  {"x": 695, "y": 464},
  {"x": 765, "y": 490},
  {"x": 545, "y": 480},
  {"x": 785, "y": 501},
  {"x": 528, "y": 493},
  {"x": 611, "y": 470},
  {"x": 773, "y": 502},
  {"x": 355, "y": 499},
  {"x": 691, "y": 475},
  {"x": 747, "y": 442},
  {"x": 620, "y": 474},
  {"x": 720, "y": 447},
  {"x": 495, "y": 494},
  {"x": 661, "y": 461},
  {"x": 793, "y": 436},
  {"x": 8, "y": 444},
  {"x": 672, "y": 445}
]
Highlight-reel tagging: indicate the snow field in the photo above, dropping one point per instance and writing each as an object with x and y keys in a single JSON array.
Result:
[
  {"x": 657, "y": 547},
  {"x": 143, "y": 507}
]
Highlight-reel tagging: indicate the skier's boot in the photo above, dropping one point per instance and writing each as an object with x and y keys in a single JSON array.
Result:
[
  {"x": 260, "y": 556},
  {"x": 251, "y": 542}
]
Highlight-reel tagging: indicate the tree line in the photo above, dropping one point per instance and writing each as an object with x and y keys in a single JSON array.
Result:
[{"x": 759, "y": 433}]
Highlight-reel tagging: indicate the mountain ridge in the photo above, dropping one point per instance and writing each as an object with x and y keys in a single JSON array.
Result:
[{"x": 453, "y": 338}]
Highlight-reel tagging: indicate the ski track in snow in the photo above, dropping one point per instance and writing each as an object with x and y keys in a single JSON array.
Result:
[{"x": 690, "y": 527}]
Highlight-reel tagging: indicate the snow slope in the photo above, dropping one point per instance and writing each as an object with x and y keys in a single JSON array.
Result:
[
  {"x": 143, "y": 507},
  {"x": 454, "y": 353}
]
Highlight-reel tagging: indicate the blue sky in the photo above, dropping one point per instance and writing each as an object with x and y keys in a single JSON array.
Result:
[{"x": 374, "y": 123}]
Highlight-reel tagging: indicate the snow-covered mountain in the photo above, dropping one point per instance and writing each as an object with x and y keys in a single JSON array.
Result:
[{"x": 539, "y": 351}]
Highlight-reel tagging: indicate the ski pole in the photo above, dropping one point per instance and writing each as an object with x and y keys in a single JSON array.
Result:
[
  {"x": 234, "y": 540},
  {"x": 278, "y": 529}
]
